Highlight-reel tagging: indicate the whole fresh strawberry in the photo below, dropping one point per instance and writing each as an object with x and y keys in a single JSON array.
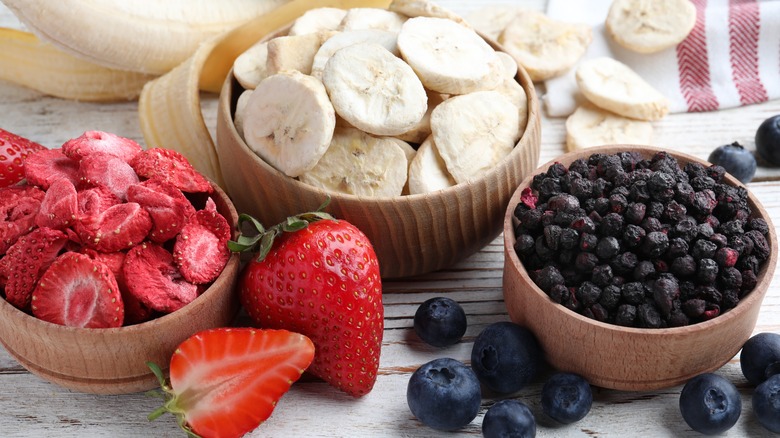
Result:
[
  {"x": 224, "y": 382},
  {"x": 13, "y": 150},
  {"x": 320, "y": 277}
]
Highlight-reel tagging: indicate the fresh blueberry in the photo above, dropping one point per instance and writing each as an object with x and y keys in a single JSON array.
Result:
[
  {"x": 440, "y": 322},
  {"x": 760, "y": 357},
  {"x": 768, "y": 140},
  {"x": 710, "y": 404},
  {"x": 444, "y": 394},
  {"x": 509, "y": 419},
  {"x": 766, "y": 403},
  {"x": 566, "y": 397},
  {"x": 505, "y": 357},
  {"x": 737, "y": 161}
]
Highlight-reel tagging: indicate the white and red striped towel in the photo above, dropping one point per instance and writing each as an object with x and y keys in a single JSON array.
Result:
[{"x": 731, "y": 58}]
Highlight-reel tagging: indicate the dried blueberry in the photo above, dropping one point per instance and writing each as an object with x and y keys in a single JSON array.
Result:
[
  {"x": 710, "y": 404},
  {"x": 548, "y": 277},
  {"x": 648, "y": 316},
  {"x": 585, "y": 262},
  {"x": 655, "y": 244},
  {"x": 607, "y": 248},
  {"x": 684, "y": 266},
  {"x": 708, "y": 271},
  {"x": 588, "y": 294},
  {"x": 566, "y": 398},
  {"x": 625, "y": 315}
]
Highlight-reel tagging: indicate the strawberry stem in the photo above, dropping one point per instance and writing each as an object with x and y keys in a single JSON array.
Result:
[
  {"x": 261, "y": 240},
  {"x": 166, "y": 392}
]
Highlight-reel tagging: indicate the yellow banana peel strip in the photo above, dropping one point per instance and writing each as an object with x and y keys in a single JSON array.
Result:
[
  {"x": 27, "y": 61},
  {"x": 169, "y": 107}
]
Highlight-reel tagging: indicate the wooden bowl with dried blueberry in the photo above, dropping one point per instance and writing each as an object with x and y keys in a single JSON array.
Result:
[{"x": 636, "y": 268}]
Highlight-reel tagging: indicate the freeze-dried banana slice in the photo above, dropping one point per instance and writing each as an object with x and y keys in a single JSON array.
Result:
[
  {"x": 372, "y": 18},
  {"x": 317, "y": 20},
  {"x": 474, "y": 132},
  {"x": 544, "y": 47},
  {"x": 340, "y": 40},
  {"x": 509, "y": 63},
  {"x": 422, "y": 129},
  {"x": 238, "y": 120},
  {"x": 424, "y": 8},
  {"x": 650, "y": 26},
  {"x": 249, "y": 68},
  {"x": 612, "y": 85},
  {"x": 590, "y": 126},
  {"x": 294, "y": 52},
  {"x": 428, "y": 172},
  {"x": 492, "y": 20}
]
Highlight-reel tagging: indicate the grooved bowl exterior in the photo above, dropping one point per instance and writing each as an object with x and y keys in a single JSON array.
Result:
[
  {"x": 625, "y": 358},
  {"x": 411, "y": 234},
  {"x": 113, "y": 361}
]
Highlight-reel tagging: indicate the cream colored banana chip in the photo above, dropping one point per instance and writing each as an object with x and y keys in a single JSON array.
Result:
[
  {"x": 590, "y": 126},
  {"x": 546, "y": 48},
  {"x": 238, "y": 120},
  {"x": 372, "y": 18},
  {"x": 249, "y": 68},
  {"x": 513, "y": 91},
  {"x": 358, "y": 163},
  {"x": 424, "y": 8},
  {"x": 509, "y": 63},
  {"x": 492, "y": 20},
  {"x": 340, "y": 40},
  {"x": 317, "y": 20},
  {"x": 449, "y": 57},
  {"x": 650, "y": 26},
  {"x": 428, "y": 172},
  {"x": 613, "y": 86},
  {"x": 422, "y": 129},
  {"x": 289, "y": 121},
  {"x": 374, "y": 90},
  {"x": 474, "y": 132},
  {"x": 294, "y": 52}
]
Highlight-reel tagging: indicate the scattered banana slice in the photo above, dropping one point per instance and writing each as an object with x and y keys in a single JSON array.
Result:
[
  {"x": 544, "y": 47},
  {"x": 340, "y": 40},
  {"x": 424, "y": 8},
  {"x": 289, "y": 121},
  {"x": 249, "y": 68},
  {"x": 474, "y": 132},
  {"x": 238, "y": 120},
  {"x": 374, "y": 90},
  {"x": 590, "y": 126},
  {"x": 294, "y": 52},
  {"x": 428, "y": 172},
  {"x": 492, "y": 20},
  {"x": 372, "y": 18},
  {"x": 317, "y": 20},
  {"x": 422, "y": 129},
  {"x": 612, "y": 85},
  {"x": 449, "y": 57},
  {"x": 650, "y": 26},
  {"x": 357, "y": 163}
]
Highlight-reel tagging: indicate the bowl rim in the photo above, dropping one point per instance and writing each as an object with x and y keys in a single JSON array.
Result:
[{"x": 754, "y": 297}]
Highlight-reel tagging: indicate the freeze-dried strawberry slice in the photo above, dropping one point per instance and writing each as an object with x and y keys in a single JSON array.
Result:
[
  {"x": 46, "y": 166},
  {"x": 201, "y": 250},
  {"x": 92, "y": 142},
  {"x": 166, "y": 204},
  {"x": 135, "y": 311},
  {"x": 95, "y": 200},
  {"x": 101, "y": 169},
  {"x": 171, "y": 166},
  {"x": 77, "y": 291},
  {"x": 27, "y": 259},
  {"x": 59, "y": 208},
  {"x": 155, "y": 280},
  {"x": 119, "y": 227},
  {"x": 19, "y": 205}
]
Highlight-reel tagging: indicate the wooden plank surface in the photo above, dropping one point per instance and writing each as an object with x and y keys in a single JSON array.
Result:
[{"x": 32, "y": 407}]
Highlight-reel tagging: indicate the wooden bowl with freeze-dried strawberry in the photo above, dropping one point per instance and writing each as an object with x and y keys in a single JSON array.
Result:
[
  {"x": 111, "y": 256},
  {"x": 635, "y": 267}
]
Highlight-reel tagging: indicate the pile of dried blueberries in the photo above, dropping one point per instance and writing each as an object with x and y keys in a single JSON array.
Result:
[{"x": 640, "y": 242}]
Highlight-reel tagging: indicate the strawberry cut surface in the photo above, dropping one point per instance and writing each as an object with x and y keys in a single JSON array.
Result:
[
  {"x": 120, "y": 227},
  {"x": 59, "y": 207},
  {"x": 19, "y": 206},
  {"x": 171, "y": 166},
  {"x": 95, "y": 200},
  {"x": 168, "y": 207},
  {"x": 101, "y": 169},
  {"x": 14, "y": 150},
  {"x": 92, "y": 142},
  {"x": 76, "y": 291},
  {"x": 155, "y": 280},
  {"x": 26, "y": 260},
  {"x": 201, "y": 250},
  {"x": 46, "y": 166}
]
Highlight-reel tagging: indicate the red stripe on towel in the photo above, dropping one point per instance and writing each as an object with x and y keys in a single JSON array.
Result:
[
  {"x": 744, "y": 26},
  {"x": 693, "y": 65}
]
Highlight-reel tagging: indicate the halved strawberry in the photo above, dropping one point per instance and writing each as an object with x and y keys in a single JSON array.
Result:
[
  {"x": 201, "y": 250},
  {"x": 166, "y": 204},
  {"x": 92, "y": 142},
  {"x": 46, "y": 166},
  {"x": 119, "y": 227},
  {"x": 26, "y": 260},
  {"x": 13, "y": 152},
  {"x": 76, "y": 291},
  {"x": 169, "y": 165},
  {"x": 19, "y": 205},
  {"x": 135, "y": 311},
  {"x": 59, "y": 208},
  {"x": 225, "y": 382},
  {"x": 101, "y": 169},
  {"x": 95, "y": 200},
  {"x": 155, "y": 280}
]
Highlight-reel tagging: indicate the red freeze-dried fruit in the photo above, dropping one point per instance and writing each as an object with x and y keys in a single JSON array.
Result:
[
  {"x": 120, "y": 227},
  {"x": 166, "y": 204},
  {"x": 135, "y": 311},
  {"x": 92, "y": 142},
  {"x": 19, "y": 206},
  {"x": 95, "y": 200},
  {"x": 155, "y": 280},
  {"x": 76, "y": 291},
  {"x": 201, "y": 250},
  {"x": 46, "y": 166},
  {"x": 172, "y": 167},
  {"x": 528, "y": 198},
  {"x": 13, "y": 151},
  {"x": 100, "y": 169},
  {"x": 26, "y": 260},
  {"x": 59, "y": 208}
]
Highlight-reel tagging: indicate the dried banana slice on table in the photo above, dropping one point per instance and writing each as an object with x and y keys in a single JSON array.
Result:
[
  {"x": 590, "y": 126},
  {"x": 650, "y": 26}
]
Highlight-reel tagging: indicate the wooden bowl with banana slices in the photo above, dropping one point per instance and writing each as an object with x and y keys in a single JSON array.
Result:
[{"x": 417, "y": 140}]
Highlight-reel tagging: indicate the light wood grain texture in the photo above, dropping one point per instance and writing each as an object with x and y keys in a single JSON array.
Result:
[
  {"x": 628, "y": 358},
  {"x": 32, "y": 407}
]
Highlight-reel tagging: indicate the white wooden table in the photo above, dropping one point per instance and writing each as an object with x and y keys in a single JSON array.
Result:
[{"x": 30, "y": 406}]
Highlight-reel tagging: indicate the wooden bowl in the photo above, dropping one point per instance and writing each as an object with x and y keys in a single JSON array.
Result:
[
  {"x": 113, "y": 361},
  {"x": 624, "y": 358},
  {"x": 410, "y": 234}
]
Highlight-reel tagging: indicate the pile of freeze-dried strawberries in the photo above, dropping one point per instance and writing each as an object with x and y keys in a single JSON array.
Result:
[{"x": 105, "y": 234}]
